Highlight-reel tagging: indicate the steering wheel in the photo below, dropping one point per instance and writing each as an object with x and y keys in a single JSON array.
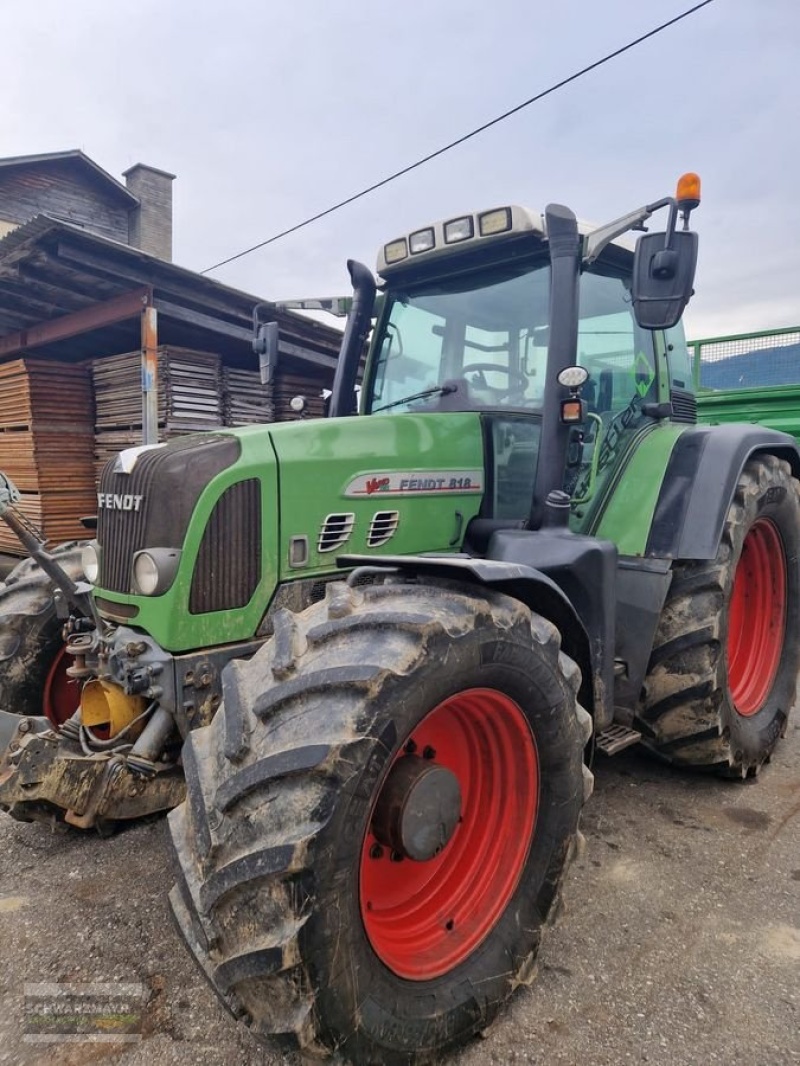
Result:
[{"x": 517, "y": 382}]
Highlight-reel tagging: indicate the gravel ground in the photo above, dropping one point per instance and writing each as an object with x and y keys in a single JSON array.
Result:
[{"x": 678, "y": 944}]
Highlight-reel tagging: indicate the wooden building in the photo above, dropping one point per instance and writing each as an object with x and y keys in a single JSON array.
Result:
[
  {"x": 71, "y": 187},
  {"x": 95, "y": 330}
]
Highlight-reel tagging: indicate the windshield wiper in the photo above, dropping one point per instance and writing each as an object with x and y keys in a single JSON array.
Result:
[{"x": 437, "y": 390}]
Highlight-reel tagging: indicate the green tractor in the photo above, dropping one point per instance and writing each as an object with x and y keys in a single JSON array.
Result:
[{"x": 365, "y": 658}]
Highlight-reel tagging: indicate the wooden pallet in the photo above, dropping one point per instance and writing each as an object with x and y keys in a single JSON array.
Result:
[
  {"x": 189, "y": 389},
  {"x": 287, "y": 386},
  {"x": 59, "y": 424},
  {"x": 246, "y": 401},
  {"x": 46, "y": 445}
]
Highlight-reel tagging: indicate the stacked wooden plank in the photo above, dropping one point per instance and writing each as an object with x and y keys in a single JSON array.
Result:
[
  {"x": 246, "y": 401},
  {"x": 287, "y": 386},
  {"x": 46, "y": 445},
  {"x": 189, "y": 398},
  {"x": 193, "y": 388}
]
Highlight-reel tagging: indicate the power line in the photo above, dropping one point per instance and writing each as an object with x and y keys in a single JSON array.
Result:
[{"x": 460, "y": 140}]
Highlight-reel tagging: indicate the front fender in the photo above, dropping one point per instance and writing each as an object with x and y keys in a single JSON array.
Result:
[{"x": 588, "y": 646}]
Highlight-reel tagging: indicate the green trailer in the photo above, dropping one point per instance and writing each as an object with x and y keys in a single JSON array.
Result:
[{"x": 749, "y": 377}]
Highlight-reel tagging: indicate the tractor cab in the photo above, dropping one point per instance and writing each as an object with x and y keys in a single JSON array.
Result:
[
  {"x": 479, "y": 342},
  {"x": 564, "y": 342},
  {"x": 482, "y": 312}
]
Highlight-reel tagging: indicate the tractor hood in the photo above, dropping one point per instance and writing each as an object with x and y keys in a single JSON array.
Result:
[{"x": 195, "y": 536}]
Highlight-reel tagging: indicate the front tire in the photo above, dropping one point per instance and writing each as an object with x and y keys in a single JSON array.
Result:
[
  {"x": 723, "y": 673},
  {"x": 33, "y": 662},
  {"x": 296, "y": 895}
]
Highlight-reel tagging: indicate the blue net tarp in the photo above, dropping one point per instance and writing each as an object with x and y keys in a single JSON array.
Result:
[{"x": 750, "y": 362}]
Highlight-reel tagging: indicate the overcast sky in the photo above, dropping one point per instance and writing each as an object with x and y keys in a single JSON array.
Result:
[{"x": 270, "y": 112}]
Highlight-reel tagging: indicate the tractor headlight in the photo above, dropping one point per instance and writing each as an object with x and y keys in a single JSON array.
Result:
[
  {"x": 395, "y": 251},
  {"x": 154, "y": 570},
  {"x": 422, "y": 241},
  {"x": 459, "y": 229},
  {"x": 572, "y": 377},
  {"x": 90, "y": 561},
  {"x": 497, "y": 221}
]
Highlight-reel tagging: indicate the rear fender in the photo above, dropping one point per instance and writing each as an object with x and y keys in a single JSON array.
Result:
[{"x": 700, "y": 482}]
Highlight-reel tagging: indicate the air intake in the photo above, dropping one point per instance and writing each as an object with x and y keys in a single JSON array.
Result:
[
  {"x": 382, "y": 528},
  {"x": 228, "y": 567},
  {"x": 684, "y": 406},
  {"x": 336, "y": 530}
]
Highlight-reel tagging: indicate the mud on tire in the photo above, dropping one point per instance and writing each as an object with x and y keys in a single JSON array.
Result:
[
  {"x": 275, "y": 834},
  {"x": 723, "y": 674},
  {"x": 30, "y": 635}
]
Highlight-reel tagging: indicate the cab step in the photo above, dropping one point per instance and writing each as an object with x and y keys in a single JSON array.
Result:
[{"x": 616, "y": 738}]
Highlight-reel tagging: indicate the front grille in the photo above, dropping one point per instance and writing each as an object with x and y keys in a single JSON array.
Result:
[
  {"x": 228, "y": 566},
  {"x": 151, "y": 507},
  {"x": 121, "y": 532},
  {"x": 684, "y": 406}
]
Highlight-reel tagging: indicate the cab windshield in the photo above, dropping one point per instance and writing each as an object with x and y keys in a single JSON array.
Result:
[
  {"x": 478, "y": 342},
  {"x": 464, "y": 344}
]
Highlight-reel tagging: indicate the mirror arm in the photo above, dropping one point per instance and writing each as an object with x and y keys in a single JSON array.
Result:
[
  {"x": 598, "y": 239},
  {"x": 672, "y": 223},
  {"x": 339, "y": 306}
]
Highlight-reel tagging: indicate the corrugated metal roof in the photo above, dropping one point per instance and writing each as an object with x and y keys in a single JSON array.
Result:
[{"x": 50, "y": 269}]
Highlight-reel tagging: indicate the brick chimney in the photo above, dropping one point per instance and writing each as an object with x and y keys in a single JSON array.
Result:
[{"x": 150, "y": 224}]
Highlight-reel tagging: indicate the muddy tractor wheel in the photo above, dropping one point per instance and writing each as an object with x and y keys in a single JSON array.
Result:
[
  {"x": 33, "y": 664},
  {"x": 723, "y": 673},
  {"x": 379, "y": 818}
]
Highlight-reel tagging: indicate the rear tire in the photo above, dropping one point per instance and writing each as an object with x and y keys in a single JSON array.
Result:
[
  {"x": 722, "y": 677},
  {"x": 285, "y": 895},
  {"x": 33, "y": 679}
]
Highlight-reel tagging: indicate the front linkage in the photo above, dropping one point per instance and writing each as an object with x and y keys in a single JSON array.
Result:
[
  {"x": 115, "y": 759},
  {"x": 44, "y": 774}
]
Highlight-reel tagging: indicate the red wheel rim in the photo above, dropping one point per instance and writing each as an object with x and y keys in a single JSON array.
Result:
[
  {"x": 424, "y": 918},
  {"x": 60, "y": 691},
  {"x": 757, "y": 622}
]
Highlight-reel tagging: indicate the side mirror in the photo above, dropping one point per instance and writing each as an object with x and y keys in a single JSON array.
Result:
[
  {"x": 265, "y": 345},
  {"x": 663, "y": 275}
]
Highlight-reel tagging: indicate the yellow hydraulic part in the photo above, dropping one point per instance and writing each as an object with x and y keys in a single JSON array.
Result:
[{"x": 104, "y": 704}]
